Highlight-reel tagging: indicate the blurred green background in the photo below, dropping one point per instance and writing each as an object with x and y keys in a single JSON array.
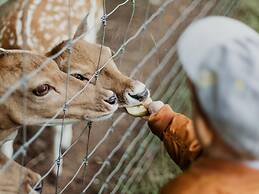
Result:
[{"x": 248, "y": 12}]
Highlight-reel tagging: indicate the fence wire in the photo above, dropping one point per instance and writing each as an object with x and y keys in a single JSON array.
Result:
[{"x": 143, "y": 147}]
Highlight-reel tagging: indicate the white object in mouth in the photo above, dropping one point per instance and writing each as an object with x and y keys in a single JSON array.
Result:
[{"x": 139, "y": 110}]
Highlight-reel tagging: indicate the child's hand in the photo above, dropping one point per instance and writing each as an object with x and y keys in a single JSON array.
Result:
[
  {"x": 160, "y": 117},
  {"x": 153, "y": 107}
]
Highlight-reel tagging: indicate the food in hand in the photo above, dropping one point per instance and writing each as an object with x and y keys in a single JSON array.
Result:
[{"x": 139, "y": 110}]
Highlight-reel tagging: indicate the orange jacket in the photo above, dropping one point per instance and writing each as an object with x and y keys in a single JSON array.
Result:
[
  {"x": 177, "y": 133},
  {"x": 206, "y": 175},
  {"x": 215, "y": 176}
]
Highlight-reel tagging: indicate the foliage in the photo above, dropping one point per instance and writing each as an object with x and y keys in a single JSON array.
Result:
[{"x": 248, "y": 12}]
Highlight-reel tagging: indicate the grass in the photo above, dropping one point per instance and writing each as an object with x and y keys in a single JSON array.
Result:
[
  {"x": 163, "y": 169},
  {"x": 248, "y": 12}
]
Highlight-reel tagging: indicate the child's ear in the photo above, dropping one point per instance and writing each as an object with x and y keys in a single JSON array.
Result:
[{"x": 82, "y": 28}]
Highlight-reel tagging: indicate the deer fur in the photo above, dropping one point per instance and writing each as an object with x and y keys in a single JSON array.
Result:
[
  {"x": 85, "y": 52},
  {"x": 91, "y": 103},
  {"x": 17, "y": 179},
  {"x": 39, "y": 25}
]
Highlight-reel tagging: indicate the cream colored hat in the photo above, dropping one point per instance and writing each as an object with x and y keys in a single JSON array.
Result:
[{"x": 221, "y": 58}]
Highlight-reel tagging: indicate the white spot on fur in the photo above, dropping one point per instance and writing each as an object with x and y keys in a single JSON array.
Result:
[
  {"x": 48, "y": 7},
  {"x": 47, "y": 36},
  {"x": 62, "y": 26},
  {"x": 11, "y": 42},
  {"x": 28, "y": 23},
  {"x": 91, "y": 24},
  {"x": 18, "y": 27}
]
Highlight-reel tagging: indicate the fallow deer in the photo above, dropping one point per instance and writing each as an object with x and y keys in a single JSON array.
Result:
[
  {"x": 44, "y": 96},
  {"x": 52, "y": 35}
]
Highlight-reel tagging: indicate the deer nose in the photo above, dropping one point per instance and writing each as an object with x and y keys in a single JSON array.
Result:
[
  {"x": 140, "y": 96},
  {"x": 112, "y": 100}
]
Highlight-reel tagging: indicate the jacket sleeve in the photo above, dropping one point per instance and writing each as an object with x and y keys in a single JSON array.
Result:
[{"x": 177, "y": 133}]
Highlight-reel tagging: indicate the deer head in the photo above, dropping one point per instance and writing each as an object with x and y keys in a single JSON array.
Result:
[
  {"x": 45, "y": 93},
  {"x": 83, "y": 64}
]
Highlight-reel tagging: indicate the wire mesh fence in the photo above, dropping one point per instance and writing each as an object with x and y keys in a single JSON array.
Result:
[{"x": 112, "y": 156}]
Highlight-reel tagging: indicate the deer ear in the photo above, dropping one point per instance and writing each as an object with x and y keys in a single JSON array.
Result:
[{"x": 82, "y": 28}]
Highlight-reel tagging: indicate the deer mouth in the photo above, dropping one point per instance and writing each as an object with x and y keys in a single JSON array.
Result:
[
  {"x": 132, "y": 99},
  {"x": 140, "y": 96},
  {"x": 135, "y": 95},
  {"x": 139, "y": 110}
]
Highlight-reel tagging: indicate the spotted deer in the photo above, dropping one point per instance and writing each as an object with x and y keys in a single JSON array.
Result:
[
  {"x": 42, "y": 26},
  {"x": 44, "y": 96},
  {"x": 39, "y": 25}
]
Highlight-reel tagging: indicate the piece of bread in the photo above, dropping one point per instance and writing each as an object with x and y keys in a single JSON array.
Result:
[{"x": 139, "y": 110}]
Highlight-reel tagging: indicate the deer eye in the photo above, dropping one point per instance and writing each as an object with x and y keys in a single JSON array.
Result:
[
  {"x": 80, "y": 77},
  {"x": 41, "y": 90}
]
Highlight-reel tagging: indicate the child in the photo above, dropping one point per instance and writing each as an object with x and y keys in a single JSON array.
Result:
[{"x": 221, "y": 59}]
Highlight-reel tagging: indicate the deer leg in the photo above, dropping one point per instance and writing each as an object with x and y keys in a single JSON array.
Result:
[
  {"x": 57, "y": 138},
  {"x": 67, "y": 136},
  {"x": 66, "y": 142}
]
